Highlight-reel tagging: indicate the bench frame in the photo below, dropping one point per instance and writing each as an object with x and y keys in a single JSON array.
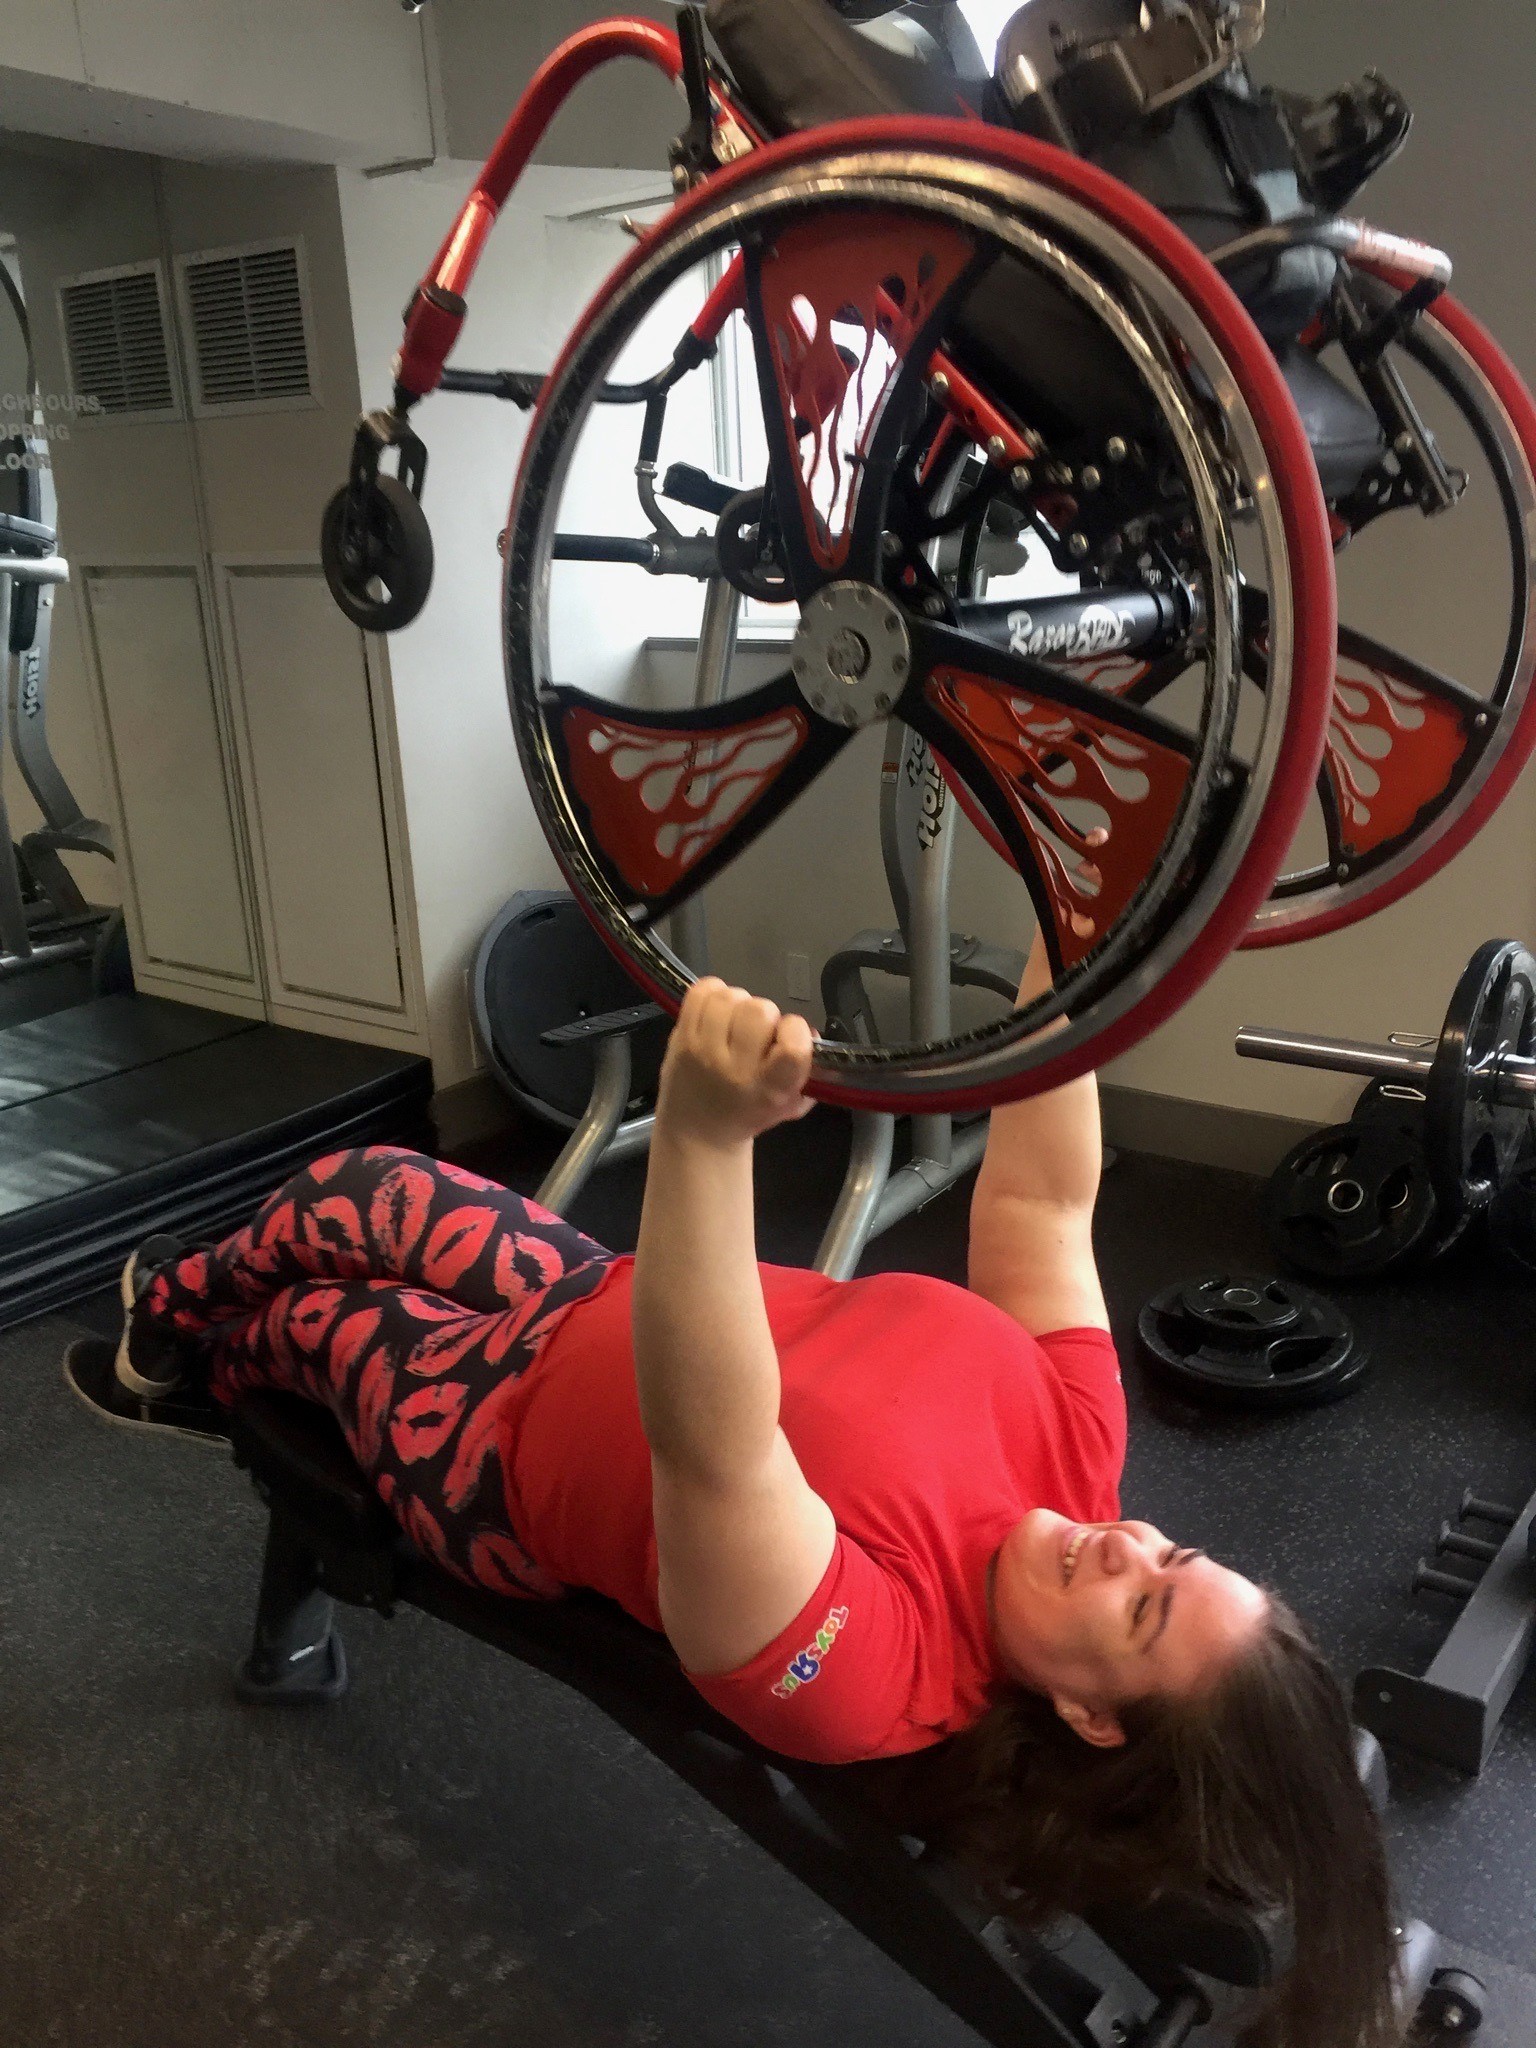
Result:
[{"x": 1144, "y": 1980}]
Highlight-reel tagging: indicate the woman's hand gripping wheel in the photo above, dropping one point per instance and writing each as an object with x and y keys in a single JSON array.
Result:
[{"x": 735, "y": 1067}]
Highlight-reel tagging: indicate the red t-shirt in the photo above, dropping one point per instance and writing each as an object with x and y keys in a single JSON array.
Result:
[{"x": 927, "y": 1419}]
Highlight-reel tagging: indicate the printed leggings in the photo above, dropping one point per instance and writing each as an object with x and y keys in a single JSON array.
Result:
[{"x": 404, "y": 1295}]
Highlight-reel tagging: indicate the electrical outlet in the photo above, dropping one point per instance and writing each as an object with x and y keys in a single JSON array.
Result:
[{"x": 797, "y": 977}]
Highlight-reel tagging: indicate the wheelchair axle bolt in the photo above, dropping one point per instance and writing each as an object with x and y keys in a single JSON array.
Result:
[
  {"x": 1091, "y": 478},
  {"x": 940, "y": 386},
  {"x": 1077, "y": 546},
  {"x": 997, "y": 449},
  {"x": 1116, "y": 449},
  {"x": 1020, "y": 478},
  {"x": 890, "y": 545}
]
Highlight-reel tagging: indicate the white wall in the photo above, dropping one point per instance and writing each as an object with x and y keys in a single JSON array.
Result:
[
  {"x": 487, "y": 51},
  {"x": 473, "y": 835},
  {"x": 344, "y": 81}
]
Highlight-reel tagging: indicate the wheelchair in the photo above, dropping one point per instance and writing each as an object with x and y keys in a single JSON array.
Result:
[{"x": 1094, "y": 313}]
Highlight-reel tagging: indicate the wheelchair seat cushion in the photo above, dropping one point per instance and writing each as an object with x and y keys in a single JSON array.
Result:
[{"x": 800, "y": 65}]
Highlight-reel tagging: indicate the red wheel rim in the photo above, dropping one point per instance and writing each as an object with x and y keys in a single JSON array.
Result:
[{"x": 1517, "y": 401}]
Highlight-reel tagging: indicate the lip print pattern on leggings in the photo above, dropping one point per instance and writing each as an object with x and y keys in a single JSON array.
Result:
[{"x": 402, "y": 1294}]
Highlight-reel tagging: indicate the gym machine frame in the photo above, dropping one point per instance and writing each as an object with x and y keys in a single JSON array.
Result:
[{"x": 30, "y": 563}]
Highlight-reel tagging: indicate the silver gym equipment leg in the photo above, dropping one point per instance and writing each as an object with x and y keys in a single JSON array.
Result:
[
  {"x": 917, "y": 816},
  {"x": 19, "y": 950},
  {"x": 712, "y": 673},
  {"x": 65, "y": 827},
  {"x": 602, "y": 1136}
]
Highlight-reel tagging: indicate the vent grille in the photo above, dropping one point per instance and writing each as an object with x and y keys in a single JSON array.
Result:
[
  {"x": 114, "y": 333},
  {"x": 249, "y": 334}
]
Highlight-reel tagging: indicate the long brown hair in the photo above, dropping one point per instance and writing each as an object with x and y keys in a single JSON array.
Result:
[{"x": 1251, "y": 1789}]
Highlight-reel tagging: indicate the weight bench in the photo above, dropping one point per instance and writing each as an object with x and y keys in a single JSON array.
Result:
[{"x": 1127, "y": 1980}]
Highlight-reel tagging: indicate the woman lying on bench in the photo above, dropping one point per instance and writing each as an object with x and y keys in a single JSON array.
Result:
[{"x": 874, "y": 1517}]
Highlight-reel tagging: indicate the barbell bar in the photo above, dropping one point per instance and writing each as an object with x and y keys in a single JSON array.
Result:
[{"x": 1511, "y": 1077}]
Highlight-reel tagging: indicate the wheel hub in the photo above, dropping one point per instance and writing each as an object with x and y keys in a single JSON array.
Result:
[{"x": 852, "y": 655}]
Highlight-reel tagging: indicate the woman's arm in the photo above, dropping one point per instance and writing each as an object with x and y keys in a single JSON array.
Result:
[
  {"x": 1031, "y": 1245},
  {"x": 742, "y": 1541}
]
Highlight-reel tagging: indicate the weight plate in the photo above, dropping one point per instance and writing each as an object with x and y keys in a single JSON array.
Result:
[
  {"x": 1389, "y": 1102},
  {"x": 1473, "y": 1138},
  {"x": 541, "y": 965},
  {"x": 1512, "y": 1217},
  {"x": 1352, "y": 1201},
  {"x": 1242, "y": 1340}
]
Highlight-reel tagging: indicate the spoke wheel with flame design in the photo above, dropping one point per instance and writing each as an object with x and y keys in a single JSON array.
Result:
[
  {"x": 1434, "y": 709},
  {"x": 1146, "y": 836}
]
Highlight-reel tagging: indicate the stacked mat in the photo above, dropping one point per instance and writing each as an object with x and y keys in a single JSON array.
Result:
[{"x": 129, "y": 1114}]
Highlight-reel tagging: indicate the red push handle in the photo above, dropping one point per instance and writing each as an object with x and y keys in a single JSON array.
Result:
[{"x": 437, "y": 308}]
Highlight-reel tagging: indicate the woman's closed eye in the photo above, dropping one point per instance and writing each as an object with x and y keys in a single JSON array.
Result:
[{"x": 1141, "y": 1605}]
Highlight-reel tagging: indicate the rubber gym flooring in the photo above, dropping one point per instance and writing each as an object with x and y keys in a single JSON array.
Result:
[{"x": 459, "y": 1853}]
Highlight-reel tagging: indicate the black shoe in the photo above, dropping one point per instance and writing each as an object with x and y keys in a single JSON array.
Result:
[
  {"x": 90, "y": 1373},
  {"x": 150, "y": 1364}
]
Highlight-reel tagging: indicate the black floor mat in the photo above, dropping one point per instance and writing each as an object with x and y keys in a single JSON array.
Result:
[
  {"x": 460, "y": 1853},
  {"x": 129, "y": 1111}
]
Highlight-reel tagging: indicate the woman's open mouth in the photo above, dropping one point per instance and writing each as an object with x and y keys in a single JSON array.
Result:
[{"x": 1072, "y": 1550}]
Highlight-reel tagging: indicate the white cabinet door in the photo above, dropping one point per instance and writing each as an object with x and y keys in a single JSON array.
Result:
[
  {"x": 167, "y": 756},
  {"x": 314, "y": 798}
]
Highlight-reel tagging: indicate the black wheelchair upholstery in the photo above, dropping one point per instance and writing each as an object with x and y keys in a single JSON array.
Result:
[
  {"x": 800, "y": 65},
  {"x": 1131, "y": 1976},
  {"x": 1217, "y": 163}
]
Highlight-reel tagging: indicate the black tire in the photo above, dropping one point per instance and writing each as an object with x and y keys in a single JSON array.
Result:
[{"x": 389, "y": 587}]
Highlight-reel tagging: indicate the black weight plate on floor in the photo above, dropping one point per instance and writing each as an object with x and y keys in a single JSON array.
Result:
[
  {"x": 1351, "y": 1201},
  {"x": 1474, "y": 1141},
  {"x": 1245, "y": 1340},
  {"x": 541, "y": 965}
]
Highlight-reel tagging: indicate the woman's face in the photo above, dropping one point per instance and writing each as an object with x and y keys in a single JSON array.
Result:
[{"x": 1096, "y": 1615}]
